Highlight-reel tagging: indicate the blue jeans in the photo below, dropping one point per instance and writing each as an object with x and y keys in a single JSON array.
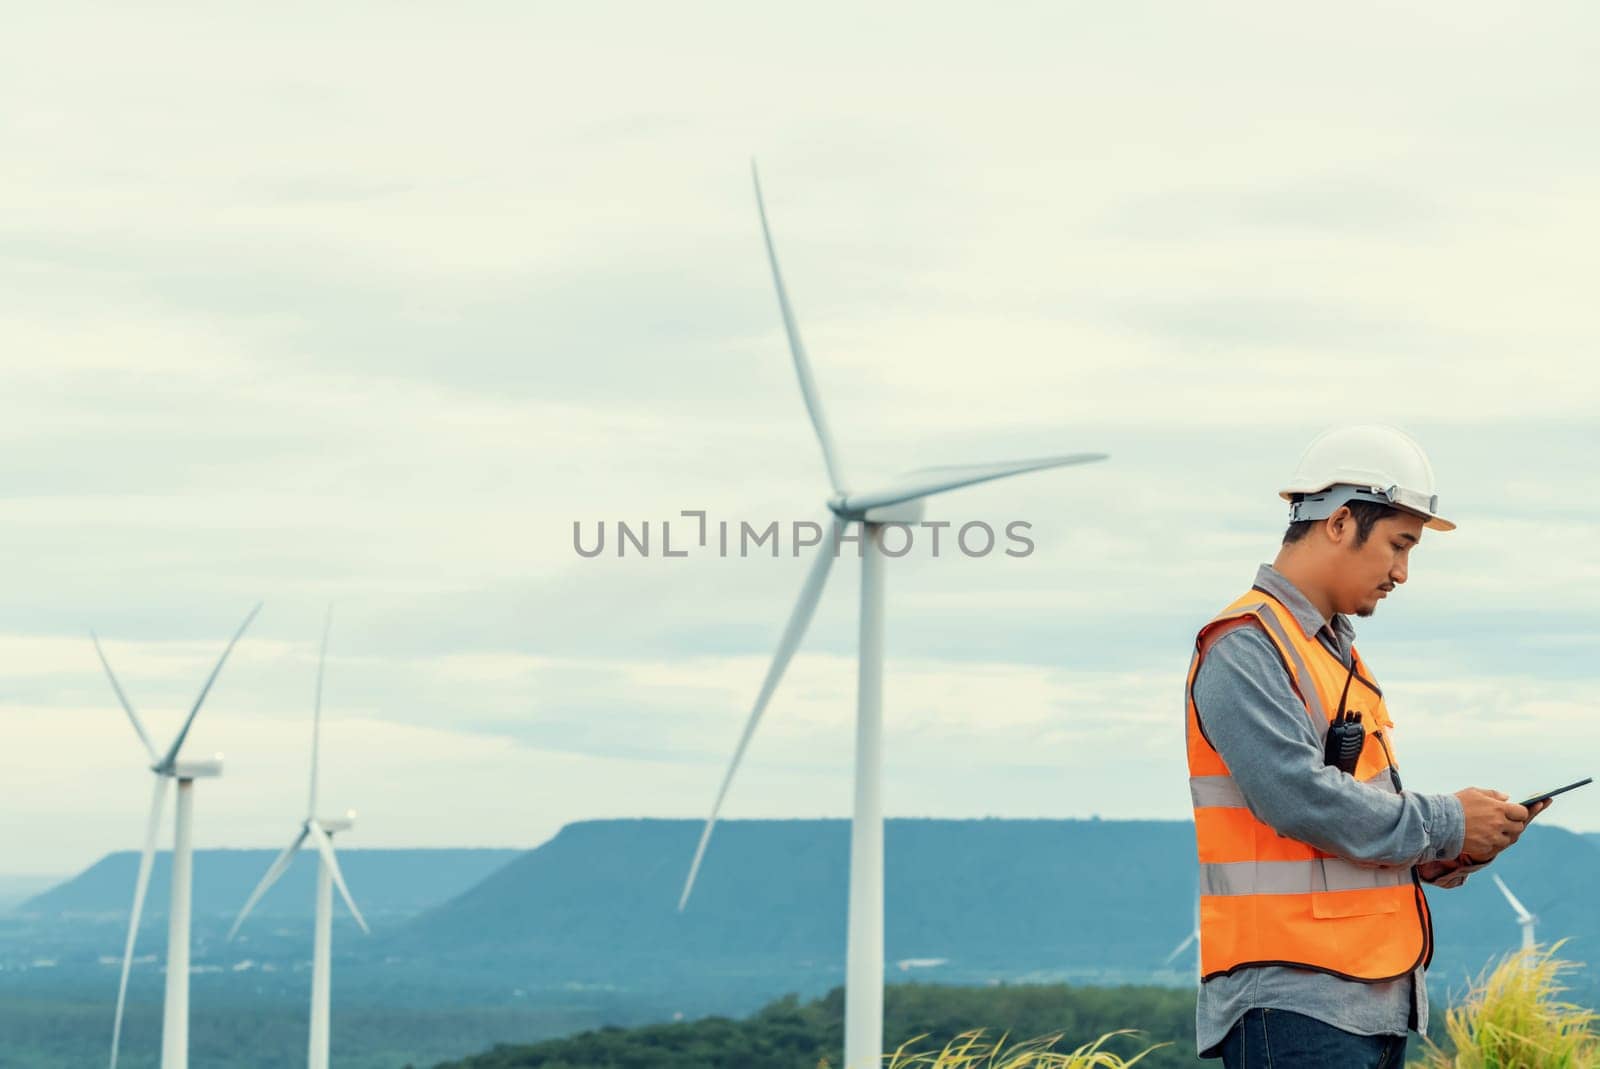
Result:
[{"x": 1283, "y": 1039}]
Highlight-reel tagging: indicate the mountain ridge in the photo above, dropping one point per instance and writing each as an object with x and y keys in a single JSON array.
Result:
[
  {"x": 991, "y": 900},
  {"x": 397, "y": 882}
]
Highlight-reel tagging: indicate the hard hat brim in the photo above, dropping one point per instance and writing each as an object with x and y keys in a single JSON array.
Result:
[
  {"x": 1431, "y": 520},
  {"x": 1434, "y": 523}
]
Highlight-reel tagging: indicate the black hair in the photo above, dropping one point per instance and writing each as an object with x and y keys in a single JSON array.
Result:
[{"x": 1365, "y": 513}]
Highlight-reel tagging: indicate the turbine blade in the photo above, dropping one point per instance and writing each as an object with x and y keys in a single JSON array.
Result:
[
  {"x": 325, "y": 845},
  {"x": 1522, "y": 913},
  {"x": 797, "y": 349},
  {"x": 927, "y": 481},
  {"x": 793, "y": 632},
  {"x": 274, "y": 871},
  {"x": 141, "y": 884},
  {"x": 1181, "y": 947},
  {"x": 316, "y": 715},
  {"x": 127, "y": 706},
  {"x": 183, "y": 733}
]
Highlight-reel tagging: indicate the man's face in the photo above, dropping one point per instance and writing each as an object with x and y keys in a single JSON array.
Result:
[{"x": 1379, "y": 564}]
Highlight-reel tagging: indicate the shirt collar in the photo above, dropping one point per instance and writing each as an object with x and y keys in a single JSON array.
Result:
[{"x": 1312, "y": 622}]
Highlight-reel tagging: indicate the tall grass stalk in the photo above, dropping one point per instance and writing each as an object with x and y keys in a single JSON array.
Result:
[
  {"x": 1513, "y": 1018},
  {"x": 971, "y": 1050}
]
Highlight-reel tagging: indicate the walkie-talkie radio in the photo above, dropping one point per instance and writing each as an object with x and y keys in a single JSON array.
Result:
[
  {"x": 1346, "y": 734},
  {"x": 1346, "y": 737}
]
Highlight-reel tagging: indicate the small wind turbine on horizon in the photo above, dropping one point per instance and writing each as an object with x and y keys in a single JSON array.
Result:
[
  {"x": 167, "y": 766},
  {"x": 1193, "y": 938},
  {"x": 320, "y": 830},
  {"x": 1525, "y": 919},
  {"x": 900, "y": 500}
]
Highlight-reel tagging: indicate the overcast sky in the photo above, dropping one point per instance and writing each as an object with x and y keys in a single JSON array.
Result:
[{"x": 369, "y": 305}]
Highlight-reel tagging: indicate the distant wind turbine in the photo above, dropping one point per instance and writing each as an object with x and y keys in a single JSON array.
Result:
[
  {"x": 907, "y": 964},
  {"x": 166, "y": 766},
  {"x": 1193, "y": 938},
  {"x": 1524, "y": 918},
  {"x": 320, "y": 831},
  {"x": 898, "y": 501}
]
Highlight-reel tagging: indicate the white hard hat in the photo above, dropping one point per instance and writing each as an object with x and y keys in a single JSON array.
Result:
[{"x": 1364, "y": 463}]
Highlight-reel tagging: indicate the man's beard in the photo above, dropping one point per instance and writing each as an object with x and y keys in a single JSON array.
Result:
[{"x": 1366, "y": 612}]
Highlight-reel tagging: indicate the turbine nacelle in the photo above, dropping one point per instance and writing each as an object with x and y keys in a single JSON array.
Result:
[
  {"x": 337, "y": 824},
  {"x": 903, "y": 512},
  {"x": 204, "y": 768},
  {"x": 901, "y": 500}
]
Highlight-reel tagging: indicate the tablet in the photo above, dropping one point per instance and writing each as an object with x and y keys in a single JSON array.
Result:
[{"x": 1559, "y": 790}]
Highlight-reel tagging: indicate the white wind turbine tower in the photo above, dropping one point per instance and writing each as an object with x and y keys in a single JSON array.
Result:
[
  {"x": 898, "y": 501},
  {"x": 1524, "y": 918},
  {"x": 320, "y": 830},
  {"x": 166, "y": 766}
]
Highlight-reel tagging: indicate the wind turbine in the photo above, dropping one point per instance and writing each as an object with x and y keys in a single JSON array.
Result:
[
  {"x": 320, "y": 830},
  {"x": 166, "y": 766},
  {"x": 901, "y": 501},
  {"x": 1192, "y": 938},
  {"x": 1524, "y": 918}
]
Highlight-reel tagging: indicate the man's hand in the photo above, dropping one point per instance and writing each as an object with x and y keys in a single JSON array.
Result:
[
  {"x": 1432, "y": 870},
  {"x": 1439, "y": 872},
  {"x": 1494, "y": 822}
]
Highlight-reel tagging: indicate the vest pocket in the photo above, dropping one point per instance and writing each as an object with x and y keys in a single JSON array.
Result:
[
  {"x": 1328, "y": 905},
  {"x": 1341, "y": 888}
]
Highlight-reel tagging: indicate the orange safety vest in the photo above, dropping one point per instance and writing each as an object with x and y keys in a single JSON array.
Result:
[{"x": 1268, "y": 899}]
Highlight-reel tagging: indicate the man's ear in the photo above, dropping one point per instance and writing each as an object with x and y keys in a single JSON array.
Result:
[{"x": 1339, "y": 525}]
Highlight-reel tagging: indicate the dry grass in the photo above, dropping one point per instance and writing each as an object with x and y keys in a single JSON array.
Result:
[
  {"x": 1514, "y": 1018},
  {"x": 972, "y": 1050}
]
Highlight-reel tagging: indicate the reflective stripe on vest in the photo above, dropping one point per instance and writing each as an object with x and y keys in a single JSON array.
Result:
[
  {"x": 1298, "y": 877},
  {"x": 1268, "y": 899},
  {"x": 1222, "y": 792}
]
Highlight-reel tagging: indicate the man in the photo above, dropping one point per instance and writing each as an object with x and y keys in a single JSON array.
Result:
[{"x": 1314, "y": 930}]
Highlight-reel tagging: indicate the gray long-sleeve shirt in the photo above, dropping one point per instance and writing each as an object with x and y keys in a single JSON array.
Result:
[{"x": 1258, "y": 724}]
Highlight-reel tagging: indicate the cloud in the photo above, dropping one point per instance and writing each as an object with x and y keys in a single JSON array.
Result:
[{"x": 287, "y": 319}]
